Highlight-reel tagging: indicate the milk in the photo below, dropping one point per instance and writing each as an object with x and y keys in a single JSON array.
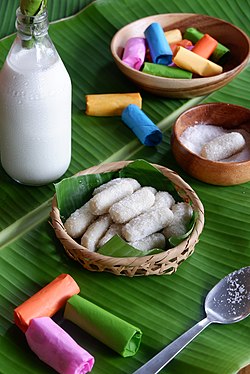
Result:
[{"x": 35, "y": 116}]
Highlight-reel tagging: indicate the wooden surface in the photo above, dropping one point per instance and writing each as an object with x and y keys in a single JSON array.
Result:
[{"x": 245, "y": 370}]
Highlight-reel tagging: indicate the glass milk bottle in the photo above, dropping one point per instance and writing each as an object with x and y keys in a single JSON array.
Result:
[{"x": 35, "y": 106}]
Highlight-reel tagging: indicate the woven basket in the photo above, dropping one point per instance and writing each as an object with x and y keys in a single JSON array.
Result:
[{"x": 162, "y": 263}]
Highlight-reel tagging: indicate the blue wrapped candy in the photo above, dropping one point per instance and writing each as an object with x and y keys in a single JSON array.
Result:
[
  {"x": 145, "y": 130},
  {"x": 159, "y": 48}
]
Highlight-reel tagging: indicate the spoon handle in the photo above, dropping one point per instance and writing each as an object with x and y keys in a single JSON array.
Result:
[{"x": 160, "y": 360}]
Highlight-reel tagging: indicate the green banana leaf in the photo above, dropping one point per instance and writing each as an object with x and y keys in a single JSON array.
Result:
[{"x": 163, "y": 307}]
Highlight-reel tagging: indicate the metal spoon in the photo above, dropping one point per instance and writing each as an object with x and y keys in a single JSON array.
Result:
[{"x": 227, "y": 302}]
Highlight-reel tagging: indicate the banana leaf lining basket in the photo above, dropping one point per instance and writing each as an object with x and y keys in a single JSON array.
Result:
[{"x": 166, "y": 262}]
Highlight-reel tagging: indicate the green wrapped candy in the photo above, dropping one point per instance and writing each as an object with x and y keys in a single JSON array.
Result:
[
  {"x": 32, "y": 7},
  {"x": 194, "y": 35},
  {"x": 166, "y": 71},
  {"x": 111, "y": 330}
]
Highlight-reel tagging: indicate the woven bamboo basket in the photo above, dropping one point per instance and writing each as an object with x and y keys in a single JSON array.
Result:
[{"x": 158, "y": 264}]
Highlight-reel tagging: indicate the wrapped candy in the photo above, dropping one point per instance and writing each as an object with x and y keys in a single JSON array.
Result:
[
  {"x": 134, "y": 52},
  {"x": 111, "y": 330},
  {"x": 166, "y": 71},
  {"x": 184, "y": 43},
  {"x": 173, "y": 36},
  {"x": 111, "y": 104},
  {"x": 56, "y": 348},
  {"x": 142, "y": 126},
  {"x": 47, "y": 301},
  {"x": 160, "y": 50},
  {"x": 188, "y": 60},
  {"x": 205, "y": 46},
  {"x": 194, "y": 35}
]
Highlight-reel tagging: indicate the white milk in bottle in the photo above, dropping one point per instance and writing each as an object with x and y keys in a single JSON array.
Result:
[{"x": 35, "y": 107}]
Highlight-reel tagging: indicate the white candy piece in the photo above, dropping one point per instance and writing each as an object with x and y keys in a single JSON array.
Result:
[
  {"x": 223, "y": 146},
  {"x": 114, "y": 229},
  {"x": 78, "y": 221},
  {"x": 163, "y": 199},
  {"x": 114, "y": 182},
  {"x": 133, "y": 205},
  {"x": 156, "y": 240},
  {"x": 103, "y": 200},
  {"x": 95, "y": 231},
  {"x": 146, "y": 224},
  {"x": 182, "y": 214}
]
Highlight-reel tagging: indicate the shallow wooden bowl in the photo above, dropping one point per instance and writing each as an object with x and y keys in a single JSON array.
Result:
[
  {"x": 229, "y": 35},
  {"x": 228, "y": 116}
]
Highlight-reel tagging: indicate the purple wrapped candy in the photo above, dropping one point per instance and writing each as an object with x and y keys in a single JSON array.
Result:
[
  {"x": 134, "y": 52},
  {"x": 56, "y": 348}
]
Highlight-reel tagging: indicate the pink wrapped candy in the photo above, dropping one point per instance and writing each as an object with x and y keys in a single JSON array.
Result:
[
  {"x": 56, "y": 348},
  {"x": 134, "y": 52}
]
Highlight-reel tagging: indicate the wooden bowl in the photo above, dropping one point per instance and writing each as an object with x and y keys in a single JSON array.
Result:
[
  {"x": 166, "y": 262},
  {"x": 228, "y": 116},
  {"x": 229, "y": 35}
]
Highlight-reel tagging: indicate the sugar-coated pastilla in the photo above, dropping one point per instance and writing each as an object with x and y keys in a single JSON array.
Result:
[
  {"x": 111, "y": 104},
  {"x": 102, "y": 201},
  {"x": 156, "y": 240},
  {"x": 142, "y": 126},
  {"x": 114, "y": 229},
  {"x": 116, "y": 333},
  {"x": 182, "y": 215},
  {"x": 134, "y": 52},
  {"x": 95, "y": 231},
  {"x": 116, "y": 181},
  {"x": 47, "y": 301},
  {"x": 223, "y": 146},
  {"x": 163, "y": 199},
  {"x": 132, "y": 205},
  {"x": 160, "y": 50},
  {"x": 57, "y": 348},
  {"x": 79, "y": 221},
  {"x": 146, "y": 224}
]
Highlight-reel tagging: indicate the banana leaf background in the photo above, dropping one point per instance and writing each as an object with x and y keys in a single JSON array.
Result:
[{"x": 31, "y": 256}]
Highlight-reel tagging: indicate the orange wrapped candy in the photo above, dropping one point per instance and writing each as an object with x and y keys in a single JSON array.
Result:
[
  {"x": 47, "y": 301},
  {"x": 205, "y": 46},
  {"x": 183, "y": 43}
]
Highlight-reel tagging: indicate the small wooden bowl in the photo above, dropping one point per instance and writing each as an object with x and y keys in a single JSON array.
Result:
[
  {"x": 228, "y": 116},
  {"x": 166, "y": 262},
  {"x": 227, "y": 34}
]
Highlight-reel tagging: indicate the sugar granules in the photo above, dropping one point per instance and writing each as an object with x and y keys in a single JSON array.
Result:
[
  {"x": 194, "y": 137},
  {"x": 237, "y": 291},
  {"x": 234, "y": 299}
]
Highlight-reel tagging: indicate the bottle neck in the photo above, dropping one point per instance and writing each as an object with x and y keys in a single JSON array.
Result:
[{"x": 32, "y": 27}]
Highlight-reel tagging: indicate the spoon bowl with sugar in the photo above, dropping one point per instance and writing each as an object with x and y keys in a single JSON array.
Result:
[{"x": 227, "y": 302}]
